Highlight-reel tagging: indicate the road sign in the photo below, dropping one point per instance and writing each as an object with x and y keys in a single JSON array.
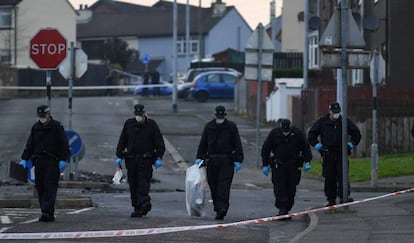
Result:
[
  {"x": 81, "y": 64},
  {"x": 146, "y": 59},
  {"x": 77, "y": 150},
  {"x": 48, "y": 48},
  {"x": 259, "y": 54},
  {"x": 331, "y": 37},
  {"x": 380, "y": 68},
  {"x": 355, "y": 59}
]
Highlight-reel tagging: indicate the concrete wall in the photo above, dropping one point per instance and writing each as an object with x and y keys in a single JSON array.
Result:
[
  {"x": 278, "y": 103},
  {"x": 292, "y": 28}
]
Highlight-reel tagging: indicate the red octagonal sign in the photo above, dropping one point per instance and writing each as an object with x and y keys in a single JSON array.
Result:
[{"x": 48, "y": 48}]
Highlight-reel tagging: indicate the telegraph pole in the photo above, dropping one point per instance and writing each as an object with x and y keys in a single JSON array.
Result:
[{"x": 344, "y": 63}]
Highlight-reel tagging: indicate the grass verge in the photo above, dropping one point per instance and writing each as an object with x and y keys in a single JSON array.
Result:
[{"x": 391, "y": 165}]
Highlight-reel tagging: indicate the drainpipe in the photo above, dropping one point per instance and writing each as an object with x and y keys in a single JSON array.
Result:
[{"x": 15, "y": 35}]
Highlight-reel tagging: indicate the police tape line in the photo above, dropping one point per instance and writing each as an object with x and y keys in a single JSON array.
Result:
[
  {"x": 86, "y": 87},
  {"x": 154, "y": 231}
]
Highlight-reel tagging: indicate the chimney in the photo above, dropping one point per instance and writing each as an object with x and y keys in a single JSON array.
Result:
[
  {"x": 80, "y": 6},
  {"x": 218, "y": 9}
]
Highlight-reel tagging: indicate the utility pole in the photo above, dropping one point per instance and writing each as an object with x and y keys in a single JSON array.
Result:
[
  {"x": 344, "y": 63},
  {"x": 306, "y": 46},
  {"x": 187, "y": 34},
  {"x": 174, "y": 93}
]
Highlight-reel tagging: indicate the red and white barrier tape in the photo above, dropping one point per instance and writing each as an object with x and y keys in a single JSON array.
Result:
[
  {"x": 86, "y": 87},
  {"x": 153, "y": 231}
]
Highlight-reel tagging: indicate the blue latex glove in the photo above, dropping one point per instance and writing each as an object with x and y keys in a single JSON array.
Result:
[
  {"x": 318, "y": 146},
  {"x": 350, "y": 145},
  {"x": 119, "y": 162},
  {"x": 29, "y": 164},
  {"x": 62, "y": 166},
  {"x": 158, "y": 163},
  {"x": 306, "y": 166},
  {"x": 198, "y": 161},
  {"x": 237, "y": 166},
  {"x": 265, "y": 170},
  {"x": 23, "y": 163}
]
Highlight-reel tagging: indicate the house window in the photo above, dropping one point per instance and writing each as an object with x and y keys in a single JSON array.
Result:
[
  {"x": 5, "y": 56},
  {"x": 357, "y": 76},
  {"x": 5, "y": 17},
  {"x": 181, "y": 45},
  {"x": 314, "y": 50},
  {"x": 93, "y": 48}
]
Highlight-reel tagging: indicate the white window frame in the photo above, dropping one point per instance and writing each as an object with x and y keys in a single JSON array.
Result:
[
  {"x": 357, "y": 76},
  {"x": 313, "y": 50},
  {"x": 5, "y": 18},
  {"x": 181, "y": 45},
  {"x": 5, "y": 56}
]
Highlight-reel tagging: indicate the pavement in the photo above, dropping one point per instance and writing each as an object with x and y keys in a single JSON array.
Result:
[{"x": 372, "y": 221}]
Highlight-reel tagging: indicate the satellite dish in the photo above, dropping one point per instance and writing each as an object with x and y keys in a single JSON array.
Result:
[
  {"x": 371, "y": 23},
  {"x": 314, "y": 23},
  {"x": 357, "y": 17}
]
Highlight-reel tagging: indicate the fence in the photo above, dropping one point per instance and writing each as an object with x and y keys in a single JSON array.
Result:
[
  {"x": 287, "y": 60},
  {"x": 394, "y": 112}
]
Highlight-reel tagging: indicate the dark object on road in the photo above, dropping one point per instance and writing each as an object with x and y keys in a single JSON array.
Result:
[{"x": 17, "y": 172}]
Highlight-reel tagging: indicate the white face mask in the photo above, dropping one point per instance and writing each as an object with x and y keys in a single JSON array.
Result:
[
  {"x": 43, "y": 120},
  {"x": 336, "y": 116},
  {"x": 286, "y": 133},
  {"x": 219, "y": 120},
  {"x": 139, "y": 119}
]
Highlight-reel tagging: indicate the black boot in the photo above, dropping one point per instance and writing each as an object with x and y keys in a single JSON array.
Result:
[
  {"x": 137, "y": 212},
  {"x": 46, "y": 218},
  {"x": 330, "y": 202},
  {"x": 350, "y": 199},
  {"x": 221, "y": 214},
  {"x": 146, "y": 207},
  {"x": 283, "y": 211}
]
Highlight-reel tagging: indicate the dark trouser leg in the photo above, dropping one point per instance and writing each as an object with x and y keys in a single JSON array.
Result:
[
  {"x": 47, "y": 178},
  {"x": 139, "y": 179},
  {"x": 144, "y": 181},
  {"x": 212, "y": 179},
  {"x": 329, "y": 171},
  {"x": 224, "y": 183},
  {"x": 40, "y": 177},
  {"x": 279, "y": 180},
  {"x": 330, "y": 188},
  {"x": 219, "y": 177},
  {"x": 292, "y": 182}
]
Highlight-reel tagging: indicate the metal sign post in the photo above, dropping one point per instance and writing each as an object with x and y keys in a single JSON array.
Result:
[
  {"x": 258, "y": 66},
  {"x": 374, "y": 145},
  {"x": 345, "y": 162},
  {"x": 259, "y": 92},
  {"x": 72, "y": 68}
]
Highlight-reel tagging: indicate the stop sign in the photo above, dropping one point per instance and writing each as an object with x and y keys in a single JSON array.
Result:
[{"x": 48, "y": 48}]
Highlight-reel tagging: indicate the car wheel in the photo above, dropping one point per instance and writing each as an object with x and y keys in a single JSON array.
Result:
[{"x": 202, "y": 96}]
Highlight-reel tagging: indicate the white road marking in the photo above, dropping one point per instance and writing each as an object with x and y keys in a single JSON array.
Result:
[
  {"x": 5, "y": 220},
  {"x": 3, "y": 229},
  {"x": 80, "y": 210},
  {"x": 29, "y": 221}
]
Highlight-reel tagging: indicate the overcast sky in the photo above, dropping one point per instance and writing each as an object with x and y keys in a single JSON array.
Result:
[{"x": 253, "y": 11}]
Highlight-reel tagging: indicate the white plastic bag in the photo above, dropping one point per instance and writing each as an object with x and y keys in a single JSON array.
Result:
[
  {"x": 195, "y": 190},
  {"x": 116, "y": 180}
]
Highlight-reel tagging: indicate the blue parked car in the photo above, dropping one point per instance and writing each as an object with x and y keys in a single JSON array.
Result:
[
  {"x": 214, "y": 84},
  {"x": 153, "y": 91}
]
